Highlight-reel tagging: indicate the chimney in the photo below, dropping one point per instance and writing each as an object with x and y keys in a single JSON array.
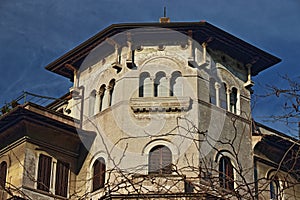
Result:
[{"x": 164, "y": 19}]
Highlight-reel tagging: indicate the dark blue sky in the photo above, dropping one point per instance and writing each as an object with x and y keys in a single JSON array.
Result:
[{"x": 33, "y": 33}]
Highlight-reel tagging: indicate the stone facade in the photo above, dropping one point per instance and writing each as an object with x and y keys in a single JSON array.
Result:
[{"x": 157, "y": 111}]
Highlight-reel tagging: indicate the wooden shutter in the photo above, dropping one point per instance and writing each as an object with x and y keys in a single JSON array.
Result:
[
  {"x": 226, "y": 175},
  {"x": 99, "y": 169},
  {"x": 160, "y": 160},
  {"x": 44, "y": 172},
  {"x": 62, "y": 174},
  {"x": 3, "y": 171},
  {"x": 229, "y": 175}
]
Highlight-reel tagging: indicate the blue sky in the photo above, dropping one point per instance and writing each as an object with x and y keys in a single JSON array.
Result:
[{"x": 33, "y": 33}]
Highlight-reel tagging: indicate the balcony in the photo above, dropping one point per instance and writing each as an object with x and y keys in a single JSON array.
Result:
[{"x": 160, "y": 104}]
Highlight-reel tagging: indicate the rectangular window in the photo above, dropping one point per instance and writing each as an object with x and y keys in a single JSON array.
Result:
[
  {"x": 62, "y": 175},
  {"x": 44, "y": 173}
]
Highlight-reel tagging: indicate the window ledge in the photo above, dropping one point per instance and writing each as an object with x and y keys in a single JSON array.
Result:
[{"x": 160, "y": 104}]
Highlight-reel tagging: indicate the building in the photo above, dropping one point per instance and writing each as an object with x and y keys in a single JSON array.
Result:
[{"x": 157, "y": 110}]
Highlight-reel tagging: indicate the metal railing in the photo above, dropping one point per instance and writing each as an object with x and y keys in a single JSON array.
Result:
[{"x": 27, "y": 97}]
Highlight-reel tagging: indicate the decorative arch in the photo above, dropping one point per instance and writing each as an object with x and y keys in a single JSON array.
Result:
[
  {"x": 145, "y": 85},
  {"x": 165, "y": 142},
  {"x": 161, "y": 88},
  {"x": 176, "y": 61},
  {"x": 176, "y": 84}
]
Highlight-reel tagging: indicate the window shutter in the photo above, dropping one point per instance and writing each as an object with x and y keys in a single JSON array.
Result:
[
  {"x": 44, "y": 172},
  {"x": 160, "y": 160},
  {"x": 62, "y": 174},
  {"x": 99, "y": 169}
]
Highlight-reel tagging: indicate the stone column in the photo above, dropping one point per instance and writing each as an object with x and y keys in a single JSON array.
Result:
[
  {"x": 217, "y": 88},
  {"x": 98, "y": 101},
  {"x": 228, "y": 91},
  {"x": 106, "y": 98}
]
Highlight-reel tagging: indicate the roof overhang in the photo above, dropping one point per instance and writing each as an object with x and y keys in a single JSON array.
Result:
[
  {"x": 44, "y": 127},
  {"x": 216, "y": 39}
]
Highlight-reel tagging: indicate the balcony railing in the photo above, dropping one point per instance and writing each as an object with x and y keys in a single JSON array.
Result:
[{"x": 26, "y": 97}]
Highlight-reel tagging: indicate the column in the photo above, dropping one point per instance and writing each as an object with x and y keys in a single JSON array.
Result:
[
  {"x": 106, "y": 98},
  {"x": 228, "y": 91},
  {"x": 217, "y": 88},
  {"x": 97, "y": 103}
]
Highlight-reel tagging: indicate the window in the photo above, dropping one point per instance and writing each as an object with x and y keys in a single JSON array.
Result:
[
  {"x": 99, "y": 169},
  {"x": 111, "y": 91},
  {"x": 274, "y": 189},
  {"x": 161, "y": 85},
  {"x": 233, "y": 100},
  {"x": 160, "y": 160},
  {"x": 92, "y": 100},
  {"x": 44, "y": 173},
  {"x": 101, "y": 96},
  {"x": 145, "y": 86},
  {"x": 212, "y": 91},
  {"x": 3, "y": 171},
  {"x": 62, "y": 174},
  {"x": 176, "y": 84},
  {"x": 223, "y": 96},
  {"x": 226, "y": 176}
]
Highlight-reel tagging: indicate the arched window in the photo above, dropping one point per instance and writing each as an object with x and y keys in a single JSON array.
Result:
[
  {"x": 226, "y": 176},
  {"x": 101, "y": 96},
  {"x": 160, "y": 160},
  {"x": 223, "y": 96},
  {"x": 212, "y": 91},
  {"x": 111, "y": 87},
  {"x": 176, "y": 84},
  {"x": 3, "y": 172},
  {"x": 274, "y": 188},
  {"x": 145, "y": 85},
  {"x": 233, "y": 100},
  {"x": 92, "y": 101},
  {"x": 99, "y": 169},
  {"x": 161, "y": 85}
]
